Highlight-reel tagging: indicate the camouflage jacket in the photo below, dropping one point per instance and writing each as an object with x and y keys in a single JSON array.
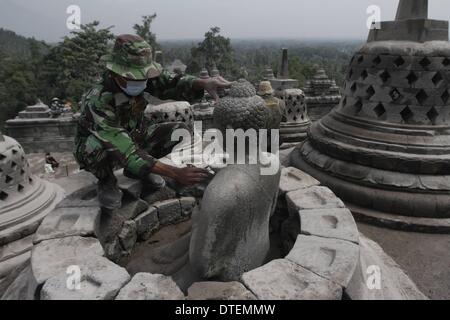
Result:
[{"x": 118, "y": 122}]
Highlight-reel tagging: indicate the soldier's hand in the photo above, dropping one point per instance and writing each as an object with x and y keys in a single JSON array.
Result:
[
  {"x": 191, "y": 175},
  {"x": 212, "y": 85}
]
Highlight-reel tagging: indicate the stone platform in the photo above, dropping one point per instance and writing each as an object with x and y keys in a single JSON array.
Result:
[
  {"x": 38, "y": 132},
  {"x": 321, "y": 264}
]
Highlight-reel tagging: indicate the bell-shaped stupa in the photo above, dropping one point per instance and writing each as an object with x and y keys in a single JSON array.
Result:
[
  {"x": 321, "y": 94},
  {"x": 385, "y": 149},
  {"x": 25, "y": 200}
]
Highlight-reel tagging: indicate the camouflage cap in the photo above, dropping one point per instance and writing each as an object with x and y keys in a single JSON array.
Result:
[{"x": 132, "y": 59}]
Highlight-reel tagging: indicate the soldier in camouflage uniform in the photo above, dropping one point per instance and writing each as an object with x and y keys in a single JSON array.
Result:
[{"x": 112, "y": 130}]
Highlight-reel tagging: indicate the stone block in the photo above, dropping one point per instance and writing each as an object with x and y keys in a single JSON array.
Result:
[
  {"x": 187, "y": 206},
  {"x": 132, "y": 209},
  {"x": 86, "y": 197},
  {"x": 7, "y": 266},
  {"x": 100, "y": 280},
  {"x": 332, "y": 259},
  {"x": 114, "y": 250},
  {"x": 394, "y": 282},
  {"x": 294, "y": 179},
  {"x": 169, "y": 211},
  {"x": 51, "y": 257},
  {"x": 312, "y": 198},
  {"x": 21, "y": 288},
  {"x": 163, "y": 194},
  {"x": 67, "y": 222},
  {"x": 16, "y": 248},
  {"x": 146, "y": 286},
  {"x": 77, "y": 182},
  {"x": 285, "y": 280},
  {"x": 11, "y": 269},
  {"x": 147, "y": 223},
  {"x": 128, "y": 235},
  {"x": 329, "y": 223},
  {"x": 219, "y": 291},
  {"x": 132, "y": 187}
]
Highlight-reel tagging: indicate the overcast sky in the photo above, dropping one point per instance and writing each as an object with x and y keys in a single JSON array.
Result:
[{"x": 190, "y": 19}]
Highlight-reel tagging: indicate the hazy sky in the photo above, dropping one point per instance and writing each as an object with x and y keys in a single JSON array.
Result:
[{"x": 190, "y": 19}]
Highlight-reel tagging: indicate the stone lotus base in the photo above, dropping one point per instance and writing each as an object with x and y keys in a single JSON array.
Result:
[{"x": 321, "y": 262}]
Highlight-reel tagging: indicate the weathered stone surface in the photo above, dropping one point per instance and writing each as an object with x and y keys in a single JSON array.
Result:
[
  {"x": 111, "y": 222},
  {"x": 383, "y": 148},
  {"x": 100, "y": 280},
  {"x": 86, "y": 197},
  {"x": 290, "y": 229},
  {"x": 332, "y": 259},
  {"x": 51, "y": 257},
  {"x": 230, "y": 233},
  {"x": 219, "y": 291},
  {"x": 162, "y": 194},
  {"x": 16, "y": 248},
  {"x": 147, "y": 223},
  {"x": 312, "y": 198},
  {"x": 132, "y": 210},
  {"x": 132, "y": 187},
  {"x": 8, "y": 265},
  {"x": 77, "y": 182},
  {"x": 285, "y": 280},
  {"x": 195, "y": 191},
  {"x": 67, "y": 222},
  {"x": 169, "y": 211},
  {"x": 146, "y": 286},
  {"x": 128, "y": 235},
  {"x": 242, "y": 108},
  {"x": 25, "y": 199},
  {"x": 293, "y": 179},
  {"x": 394, "y": 283},
  {"x": 114, "y": 250},
  {"x": 187, "y": 206},
  {"x": 22, "y": 288},
  {"x": 329, "y": 223},
  {"x": 11, "y": 269}
]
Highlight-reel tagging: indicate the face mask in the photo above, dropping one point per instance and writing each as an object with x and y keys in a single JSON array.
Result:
[{"x": 134, "y": 88}]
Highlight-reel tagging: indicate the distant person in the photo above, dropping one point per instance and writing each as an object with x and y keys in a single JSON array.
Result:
[
  {"x": 112, "y": 130},
  {"x": 51, "y": 161},
  {"x": 55, "y": 108}
]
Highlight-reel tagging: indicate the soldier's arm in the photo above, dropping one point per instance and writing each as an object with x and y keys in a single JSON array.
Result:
[
  {"x": 116, "y": 139},
  {"x": 168, "y": 87},
  {"x": 137, "y": 161}
]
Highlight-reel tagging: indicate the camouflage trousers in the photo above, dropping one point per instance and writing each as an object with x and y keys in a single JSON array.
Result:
[{"x": 97, "y": 157}]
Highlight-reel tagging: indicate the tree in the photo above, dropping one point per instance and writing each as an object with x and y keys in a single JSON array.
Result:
[
  {"x": 19, "y": 87},
  {"x": 73, "y": 65},
  {"x": 144, "y": 30},
  {"x": 214, "y": 51}
]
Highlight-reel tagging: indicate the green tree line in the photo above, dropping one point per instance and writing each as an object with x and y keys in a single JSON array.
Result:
[{"x": 32, "y": 70}]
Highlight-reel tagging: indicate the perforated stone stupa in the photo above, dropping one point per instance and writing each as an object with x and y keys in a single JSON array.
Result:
[
  {"x": 385, "y": 149},
  {"x": 25, "y": 200},
  {"x": 321, "y": 95},
  {"x": 295, "y": 123}
]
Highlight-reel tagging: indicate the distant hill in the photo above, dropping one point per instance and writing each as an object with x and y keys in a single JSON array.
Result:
[{"x": 16, "y": 45}]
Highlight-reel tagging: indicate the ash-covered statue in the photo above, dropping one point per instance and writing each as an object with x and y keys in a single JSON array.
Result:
[{"x": 112, "y": 130}]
